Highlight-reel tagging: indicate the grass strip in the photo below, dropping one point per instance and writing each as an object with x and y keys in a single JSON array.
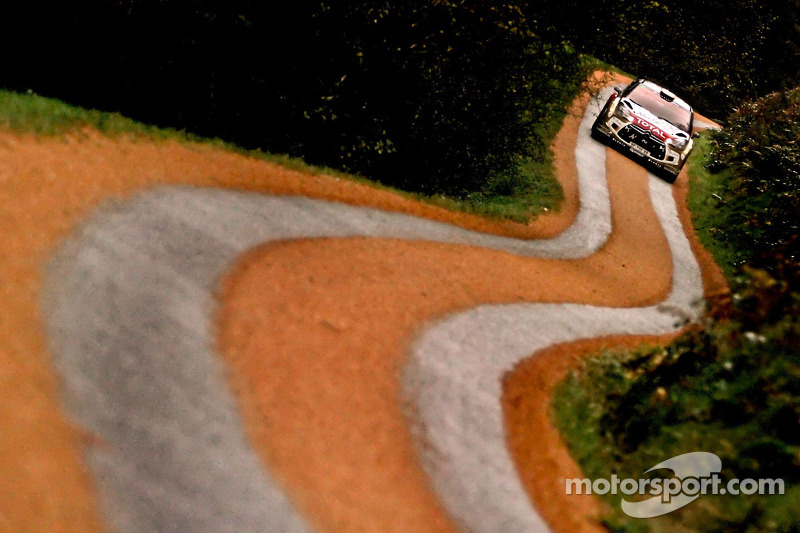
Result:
[{"x": 520, "y": 196}]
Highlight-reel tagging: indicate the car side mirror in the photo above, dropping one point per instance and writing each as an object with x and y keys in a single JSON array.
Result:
[
  {"x": 617, "y": 89},
  {"x": 695, "y": 135}
]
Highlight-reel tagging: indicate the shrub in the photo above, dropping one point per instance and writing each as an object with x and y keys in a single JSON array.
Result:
[
  {"x": 761, "y": 147},
  {"x": 730, "y": 385},
  {"x": 434, "y": 96},
  {"x": 714, "y": 53}
]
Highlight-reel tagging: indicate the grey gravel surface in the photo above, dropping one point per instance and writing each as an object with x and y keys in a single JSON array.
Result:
[
  {"x": 128, "y": 308},
  {"x": 454, "y": 382}
]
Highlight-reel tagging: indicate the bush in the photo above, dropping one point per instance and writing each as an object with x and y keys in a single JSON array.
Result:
[
  {"x": 431, "y": 96},
  {"x": 435, "y": 96},
  {"x": 761, "y": 148},
  {"x": 714, "y": 53},
  {"x": 731, "y": 385}
]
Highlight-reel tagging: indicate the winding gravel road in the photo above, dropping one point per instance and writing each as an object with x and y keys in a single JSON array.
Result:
[{"x": 129, "y": 302}]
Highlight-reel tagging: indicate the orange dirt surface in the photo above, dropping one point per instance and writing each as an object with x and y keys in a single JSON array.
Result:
[
  {"x": 316, "y": 335},
  {"x": 542, "y": 459},
  {"x": 541, "y": 456},
  {"x": 47, "y": 186}
]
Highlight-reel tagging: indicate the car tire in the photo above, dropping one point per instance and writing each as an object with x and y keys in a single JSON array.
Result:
[
  {"x": 669, "y": 176},
  {"x": 600, "y": 117}
]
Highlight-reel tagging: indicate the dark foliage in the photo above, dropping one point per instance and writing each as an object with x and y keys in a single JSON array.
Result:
[
  {"x": 761, "y": 148},
  {"x": 431, "y": 96},
  {"x": 714, "y": 53},
  {"x": 740, "y": 372},
  {"x": 730, "y": 385}
]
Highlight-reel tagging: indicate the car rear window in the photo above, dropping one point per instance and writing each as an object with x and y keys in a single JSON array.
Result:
[{"x": 669, "y": 111}]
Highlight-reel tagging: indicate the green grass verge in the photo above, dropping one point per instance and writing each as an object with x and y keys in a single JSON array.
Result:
[
  {"x": 29, "y": 113},
  {"x": 521, "y": 196},
  {"x": 599, "y": 64},
  {"x": 585, "y": 407},
  {"x": 718, "y": 214},
  {"x": 533, "y": 188},
  {"x": 728, "y": 388}
]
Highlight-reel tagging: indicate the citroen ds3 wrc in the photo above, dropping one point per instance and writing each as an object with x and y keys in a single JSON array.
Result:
[{"x": 651, "y": 124}]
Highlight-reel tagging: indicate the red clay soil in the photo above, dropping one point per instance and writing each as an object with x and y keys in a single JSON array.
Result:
[
  {"x": 316, "y": 333},
  {"x": 541, "y": 456},
  {"x": 542, "y": 459},
  {"x": 47, "y": 186}
]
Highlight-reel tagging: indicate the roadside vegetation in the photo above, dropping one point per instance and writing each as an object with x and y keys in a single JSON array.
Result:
[
  {"x": 731, "y": 385},
  {"x": 458, "y": 102},
  {"x": 714, "y": 53},
  {"x": 453, "y": 100},
  {"x": 30, "y": 113},
  {"x": 519, "y": 196}
]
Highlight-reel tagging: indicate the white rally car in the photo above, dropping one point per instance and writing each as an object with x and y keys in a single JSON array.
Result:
[{"x": 651, "y": 123}]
